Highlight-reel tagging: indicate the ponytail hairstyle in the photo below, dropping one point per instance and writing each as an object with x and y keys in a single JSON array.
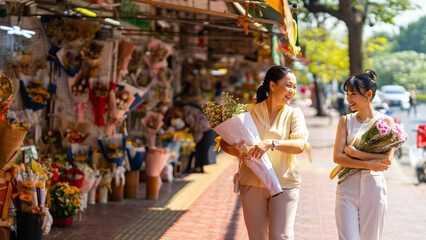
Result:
[
  {"x": 274, "y": 74},
  {"x": 362, "y": 83}
]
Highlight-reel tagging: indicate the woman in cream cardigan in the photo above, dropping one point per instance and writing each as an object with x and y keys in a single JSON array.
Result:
[{"x": 284, "y": 134}]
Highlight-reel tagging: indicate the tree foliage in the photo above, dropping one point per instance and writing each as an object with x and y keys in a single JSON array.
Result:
[
  {"x": 355, "y": 13},
  {"x": 412, "y": 37},
  {"x": 404, "y": 68},
  {"x": 328, "y": 57}
]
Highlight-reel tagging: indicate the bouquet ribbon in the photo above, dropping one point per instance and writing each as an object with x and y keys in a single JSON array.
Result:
[
  {"x": 79, "y": 107},
  {"x": 99, "y": 110}
]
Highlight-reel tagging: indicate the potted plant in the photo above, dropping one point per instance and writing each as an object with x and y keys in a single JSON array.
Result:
[{"x": 65, "y": 201}]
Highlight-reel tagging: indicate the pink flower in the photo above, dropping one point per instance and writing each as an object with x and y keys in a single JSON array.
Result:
[
  {"x": 385, "y": 130},
  {"x": 399, "y": 132},
  {"x": 381, "y": 124}
]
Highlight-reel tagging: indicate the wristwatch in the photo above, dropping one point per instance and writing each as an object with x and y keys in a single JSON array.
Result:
[{"x": 275, "y": 143}]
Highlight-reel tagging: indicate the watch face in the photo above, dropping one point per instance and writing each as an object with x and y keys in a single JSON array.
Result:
[{"x": 275, "y": 143}]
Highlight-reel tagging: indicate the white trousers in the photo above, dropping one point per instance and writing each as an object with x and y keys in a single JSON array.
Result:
[
  {"x": 361, "y": 204},
  {"x": 269, "y": 218}
]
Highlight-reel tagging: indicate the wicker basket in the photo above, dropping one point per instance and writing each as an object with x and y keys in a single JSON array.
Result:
[{"x": 10, "y": 142}]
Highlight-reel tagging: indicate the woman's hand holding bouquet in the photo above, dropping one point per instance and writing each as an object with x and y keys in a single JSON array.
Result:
[
  {"x": 376, "y": 137},
  {"x": 236, "y": 127}
]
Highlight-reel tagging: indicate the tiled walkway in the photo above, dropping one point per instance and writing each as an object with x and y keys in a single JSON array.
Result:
[{"x": 203, "y": 206}]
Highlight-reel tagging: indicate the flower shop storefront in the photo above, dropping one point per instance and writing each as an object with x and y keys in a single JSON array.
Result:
[
  {"x": 77, "y": 128},
  {"x": 88, "y": 103}
]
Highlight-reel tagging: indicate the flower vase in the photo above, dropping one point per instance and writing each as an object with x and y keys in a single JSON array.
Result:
[
  {"x": 103, "y": 195},
  {"x": 62, "y": 222},
  {"x": 153, "y": 184},
  {"x": 84, "y": 201},
  {"x": 92, "y": 196},
  {"x": 132, "y": 184},
  {"x": 117, "y": 190}
]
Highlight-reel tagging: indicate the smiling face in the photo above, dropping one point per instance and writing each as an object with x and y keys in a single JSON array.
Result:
[
  {"x": 284, "y": 90},
  {"x": 356, "y": 100}
]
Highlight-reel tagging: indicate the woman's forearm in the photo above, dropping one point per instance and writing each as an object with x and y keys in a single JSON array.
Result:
[
  {"x": 228, "y": 148},
  {"x": 364, "y": 156},
  {"x": 290, "y": 146},
  {"x": 347, "y": 161}
]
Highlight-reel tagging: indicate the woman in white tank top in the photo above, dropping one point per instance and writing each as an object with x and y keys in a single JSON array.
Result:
[{"x": 361, "y": 200}]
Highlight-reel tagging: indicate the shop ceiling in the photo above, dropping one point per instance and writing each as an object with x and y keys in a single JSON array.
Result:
[
  {"x": 214, "y": 20},
  {"x": 190, "y": 14}
]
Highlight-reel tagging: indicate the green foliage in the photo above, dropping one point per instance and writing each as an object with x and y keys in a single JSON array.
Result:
[
  {"x": 421, "y": 97},
  {"x": 413, "y": 37},
  {"x": 404, "y": 68},
  {"x": 329, "y": 57}
]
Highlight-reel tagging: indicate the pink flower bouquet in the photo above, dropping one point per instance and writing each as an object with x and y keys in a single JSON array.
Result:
[
  {"x": 152, "y": 122},
  {"x": 373, "y": 137},
  {"x": 157, "y": 55},
  {"x": 119, "y": 103},
  {"x": 79, "y": 90}
]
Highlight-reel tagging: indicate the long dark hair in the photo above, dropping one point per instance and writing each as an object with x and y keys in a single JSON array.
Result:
[
  {"x": 274, "y": 74},
  {"x": 362, "y": 83}
]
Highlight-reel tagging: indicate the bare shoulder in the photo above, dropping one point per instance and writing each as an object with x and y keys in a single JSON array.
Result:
[{"x": 342, "y": 121}]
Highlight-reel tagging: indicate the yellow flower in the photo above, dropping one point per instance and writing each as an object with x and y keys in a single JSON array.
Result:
[
  {"x": 69, "y": 191},
  {"x": 26, "y": 197},
  {"x": 39, "y": 185},
  {"x": 113, "y": 146},
  {"x": 76, "y": 201},
  {"x": 76, "y": 189},
  {"x": 38, "y": 99},
  {"x": 28, "y": 184},
  {"x": 80, "y": 158}
]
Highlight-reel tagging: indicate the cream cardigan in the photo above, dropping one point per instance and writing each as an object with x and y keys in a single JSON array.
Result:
[{"x": 289, "y": 124}]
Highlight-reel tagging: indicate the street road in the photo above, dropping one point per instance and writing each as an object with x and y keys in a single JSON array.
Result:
[{"x": 410, "y": 123}]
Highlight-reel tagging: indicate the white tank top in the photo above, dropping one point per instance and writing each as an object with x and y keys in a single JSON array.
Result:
[{"x": 352, "y": 125}]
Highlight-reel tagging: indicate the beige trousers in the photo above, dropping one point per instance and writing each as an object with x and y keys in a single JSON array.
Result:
[
  {"x": 361, "y": 205},
  {"x": 269, "y": 218}
]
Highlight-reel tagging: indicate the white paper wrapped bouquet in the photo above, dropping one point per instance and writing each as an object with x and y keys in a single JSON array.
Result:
[{"x": 234, "y": 125}]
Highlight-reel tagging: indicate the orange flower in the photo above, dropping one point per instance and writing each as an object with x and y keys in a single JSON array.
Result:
[
  {"x": 25, "y": 197},
  {"x": 80, "y": 158},
  {"x": 69, "y": 191},
  {"x": 28, "y": 184},
  {"x": 39, "y": 185},
  {"x": 37, "y": 82},
  {"x": 38, "y": 99},
  {"x": 113, "y": 146}
]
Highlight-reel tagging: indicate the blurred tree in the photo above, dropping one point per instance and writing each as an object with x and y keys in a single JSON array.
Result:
[
  {"x": 355, "y": 13},
  {"x": 412, "y": 37},
  {"x": 404, "y": 68},
  {"x": 328, "y": 60}
]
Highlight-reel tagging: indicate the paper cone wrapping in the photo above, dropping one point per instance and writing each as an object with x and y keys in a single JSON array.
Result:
[
  {"x": 136, "y": 156},
  {"x": 60, "y": 57},
  {"x": 124, "y": 55},
  {"x": 155, "y": 161},
  {"x": 10, "y": 142},
  {"x": 115, "y": 115},
  {"x": 119, "y": 140},
  {"x": 242, "y": 128}
]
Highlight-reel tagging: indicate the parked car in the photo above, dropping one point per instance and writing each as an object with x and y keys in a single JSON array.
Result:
[
  {"x": 379, "y": 105},
  {"x": 395, "y": 95}
]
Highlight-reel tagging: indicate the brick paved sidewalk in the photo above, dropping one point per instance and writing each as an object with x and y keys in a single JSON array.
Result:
[{"x": 217, "y": 213}]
